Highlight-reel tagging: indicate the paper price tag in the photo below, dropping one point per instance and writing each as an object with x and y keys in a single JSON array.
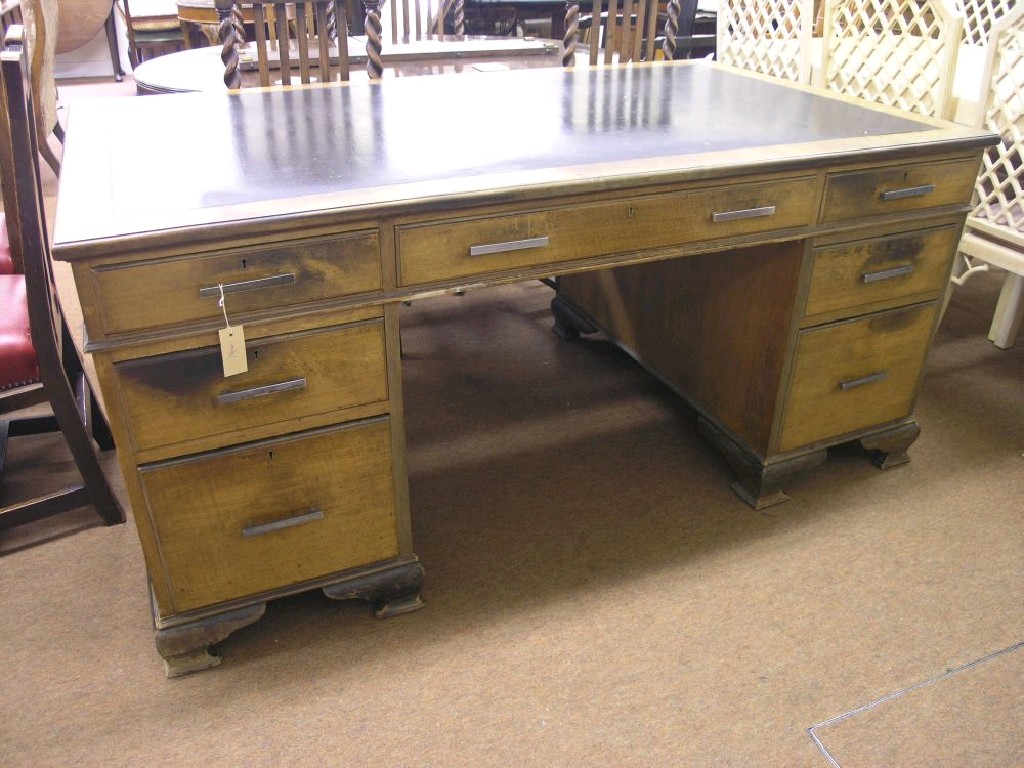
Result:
[{"x": 232, "y": 350}]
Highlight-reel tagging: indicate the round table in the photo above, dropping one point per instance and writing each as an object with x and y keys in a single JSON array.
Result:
[{"x": 201, "y": 69}]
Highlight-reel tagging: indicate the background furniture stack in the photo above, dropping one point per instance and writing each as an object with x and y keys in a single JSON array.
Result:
[
  {"x": 152, "y": 27},
  {"x": 995, "y": 228}
]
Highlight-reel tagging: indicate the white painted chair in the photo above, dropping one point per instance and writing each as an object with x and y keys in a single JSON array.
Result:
[
  {"x": 900, "y": 53},
  {"x": 995, "y": 228},
  {"x": 772, "y": 37}
]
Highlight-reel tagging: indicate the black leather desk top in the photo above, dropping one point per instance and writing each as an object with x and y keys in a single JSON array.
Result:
[{"x": 408, "y": 137}]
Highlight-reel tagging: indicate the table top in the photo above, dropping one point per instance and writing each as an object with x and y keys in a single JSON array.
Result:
[
  {"x": 201, "y": 69},
  {"x": 362, "y": 149}
]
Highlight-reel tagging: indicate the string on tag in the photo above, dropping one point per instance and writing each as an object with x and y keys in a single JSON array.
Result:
[
  {"x": 222, "y": 306},
  {"x": 232, "y": 342}
]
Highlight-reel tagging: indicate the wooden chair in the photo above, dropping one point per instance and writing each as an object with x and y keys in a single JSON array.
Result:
[
  {"x": 618, "y": 34},
  {"x": 994, "y": 234},
  {"x": 153, "y": 29},
  {"x": 293, "y": 39},
  {"x": 39, "y": 19},
  {"x": 407, "y": 21},
  {"x": 772, "y": 37},
  {"x": 900, "y": 53},
  {"x": 40, "y": 364}
]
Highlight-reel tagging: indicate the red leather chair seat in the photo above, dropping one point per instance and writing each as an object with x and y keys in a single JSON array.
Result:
[
  {"x": 6, "y": 262},
  {"x": 18, "y": 364}
]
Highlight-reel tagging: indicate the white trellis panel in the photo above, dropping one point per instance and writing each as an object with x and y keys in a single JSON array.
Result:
[
  {"x": 900, "y": 53},
  {"x": 980, "y": 15},
  {"x": 772, "y": 37}
]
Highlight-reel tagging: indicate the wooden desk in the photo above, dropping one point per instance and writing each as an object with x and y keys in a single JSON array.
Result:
[
  {"x": 201, "y": 69},
  {"x": 777, "y": 255}
]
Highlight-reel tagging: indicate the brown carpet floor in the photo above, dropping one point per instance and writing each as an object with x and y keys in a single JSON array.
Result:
[{"x": 596, "y": 595}]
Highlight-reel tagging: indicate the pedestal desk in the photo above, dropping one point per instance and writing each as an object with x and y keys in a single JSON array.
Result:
[{"x": 775, "y": 254}]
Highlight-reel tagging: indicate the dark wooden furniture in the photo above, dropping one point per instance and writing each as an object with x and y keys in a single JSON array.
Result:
[
  {"x": 510, "y": 11},
  {"x": 48, "y": 369},
  {"x": 775, "y": 253},
  {"x": 151, "y": 34},
  {"x": 200, "y": 22},
  {"x": 38, "y": 21}
]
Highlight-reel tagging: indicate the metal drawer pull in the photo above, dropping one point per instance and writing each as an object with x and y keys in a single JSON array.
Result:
[
  {"x": 512, "y": 245},
  {"x": 269, "y": 389},
  {"x": 248, "y": 285},
  {"x": 886, "y": 274},
  {"x": 747, "y": 213},
  {"x": 869, "y": 379},
  {"x": 278, "y": 525},
  {"x": 899, "y": 194}
]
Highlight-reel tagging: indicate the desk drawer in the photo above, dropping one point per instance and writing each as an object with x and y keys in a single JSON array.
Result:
[
  {"x": 171, "y": 291},
  {"x": 896, "y": 189},
  {"x": 458, "y": 249},
  {"x": 184, "y": 396},
  {"x": 855, "y": 374},
  {"x": 860, "y": 273},
  {"x": 273, "y": 514}
]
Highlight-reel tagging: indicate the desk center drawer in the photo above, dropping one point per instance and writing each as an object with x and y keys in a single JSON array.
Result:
[
  {"x": 184, "y": 396},
  {"x": 466, "y": 247}
]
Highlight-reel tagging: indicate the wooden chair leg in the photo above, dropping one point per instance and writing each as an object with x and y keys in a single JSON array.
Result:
[{"x": 65, "y": 410}]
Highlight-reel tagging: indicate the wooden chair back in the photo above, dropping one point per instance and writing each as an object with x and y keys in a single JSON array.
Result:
[
  {"x": 407, "y": 20},
  {"x": 900, "y": 53},
  {"x": 152, "y": 31},
  {"x": 60, "y": 366},
  {"x": 10, "y": 15},
  {"x": 772, "y": 37},
  {"x": 39, "y": 20},
  {"x": 301, "y": 42},
  {"x": 621, "y": 31},
  {"x": 404, "y": 21}
]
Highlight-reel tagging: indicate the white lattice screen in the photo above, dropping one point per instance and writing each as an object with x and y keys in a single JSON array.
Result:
[
  {"x": 899, "y": 53},
  {"x": 1000, "y": 183},
  {"x": 979, "y": 15},
  {"x": 767, "y": 36}
]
